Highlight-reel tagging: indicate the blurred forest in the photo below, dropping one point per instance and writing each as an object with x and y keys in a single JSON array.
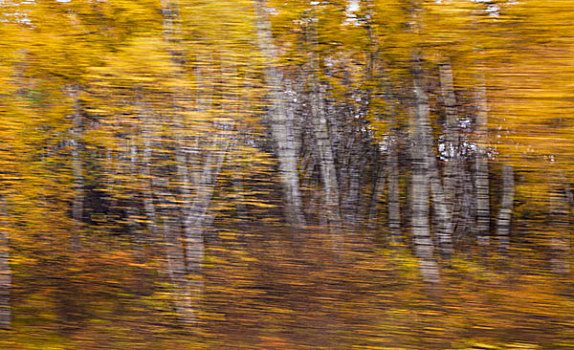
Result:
[{"x": 265, "y": 174}]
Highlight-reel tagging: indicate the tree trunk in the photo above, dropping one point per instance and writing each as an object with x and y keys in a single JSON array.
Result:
[
  {"x": 378, "y": 191},
  {"x": 443, "y": 195},
  {"x": 77, "y": 169},
  {"x": 197, "y": 210},
  {"x": 481, "y": 166},
  {"x": 185, "y": 301},
  {"x": 561, "y": 231},
  {"x": 443, "y": 216},
  {"x": 394, "y": 204},
  {"x": 420, "y": 178},
  {"x": 5, "y": 272},
  {"x": 322, "y": 136},
  {"x": 505, "y": 213},
  {"x": 185, "y": 249},
  {"x": 451, "y": 145},
  {"x": 281, "y": 128},
  {"x": 442, "y": 213},
  {"x": 146, "y": 172},
  {"x": 376, "y": 74},
  {"x": 326, "y": 159},
  {"x": 350, "y": 201}
]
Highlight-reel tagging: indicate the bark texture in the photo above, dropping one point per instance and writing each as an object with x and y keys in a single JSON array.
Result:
[
  {"x": 321, "y": 132},
  {"x": 282, "y": 129},
  {"x": 185, "y": 220},
  {"x": 505, "y": 213},
  {"x": 420, "y": 178},
  {"x": 5, "y": 273},
  {"x": 482, "y": 187},
  {"x": 561, "y": 235},
  {"x": 394, "y": 205},
  {"x": 451, "y": 144}
]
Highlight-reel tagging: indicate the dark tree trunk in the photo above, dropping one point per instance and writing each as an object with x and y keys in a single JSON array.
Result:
[
  {"x": 481, "y": 166},
  {"x": 5, "y": 272}
]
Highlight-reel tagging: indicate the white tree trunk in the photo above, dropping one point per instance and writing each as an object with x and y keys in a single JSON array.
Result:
[
  {"x": 505, "y": 212},
  {"x": 322, "y": 136},
  {"x": 451, "y": 152},
  {"x": 420, "y": 150},
  {"x": 281, "y": 127},
  {"x": 77, "y": 169}
]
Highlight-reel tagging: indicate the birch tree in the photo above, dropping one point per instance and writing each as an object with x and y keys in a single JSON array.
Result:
[{"x": 282, "y": 128}]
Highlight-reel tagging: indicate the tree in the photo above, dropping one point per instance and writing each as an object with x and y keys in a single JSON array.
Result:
[{"x": 282, "y": 128}]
